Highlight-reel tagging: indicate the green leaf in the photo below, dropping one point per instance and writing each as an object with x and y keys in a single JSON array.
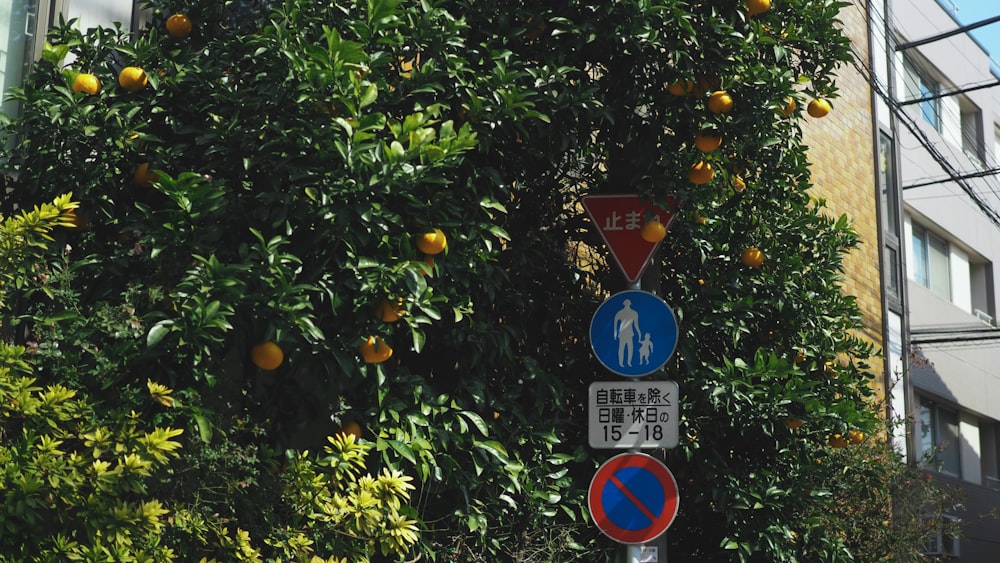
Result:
[
  {"x": 158, "y": 332},
  {"x": 403, "y": 449},
  {"x": 369, "y": 96}
]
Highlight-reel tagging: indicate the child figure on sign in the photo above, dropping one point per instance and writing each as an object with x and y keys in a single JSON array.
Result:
[{"x": 645, "y": 349}]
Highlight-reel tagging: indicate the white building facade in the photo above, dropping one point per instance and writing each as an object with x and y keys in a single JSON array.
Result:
[{"x": 940, "y": 137}]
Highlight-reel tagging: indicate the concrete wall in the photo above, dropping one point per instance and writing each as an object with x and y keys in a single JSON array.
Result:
[{"x": 956, "y": 375}]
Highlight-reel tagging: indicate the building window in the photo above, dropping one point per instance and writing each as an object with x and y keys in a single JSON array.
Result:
[
  {"x": 930, "y": 262},
  {"x": 972, "y": 132},
  {"x": 19, "y": 25},
  {"x": 889, "y": 194},
  {"x": 944, "y": 540},
  {"x": 937, "y": 432},
  {"x": 918, "y": 86},
  {"x": 994, "y": 155}
]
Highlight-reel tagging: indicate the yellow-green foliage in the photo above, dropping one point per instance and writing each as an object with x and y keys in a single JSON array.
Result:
[
  {"x": 72, "y": 488},
  {"x": 22, "y": 235},
  {"x": 332, "y": 505},
  {"x": 82, "y": 482}
]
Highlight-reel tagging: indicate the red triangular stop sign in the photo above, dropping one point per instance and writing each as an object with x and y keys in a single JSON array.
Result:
[{"x": 619, "y": 218}]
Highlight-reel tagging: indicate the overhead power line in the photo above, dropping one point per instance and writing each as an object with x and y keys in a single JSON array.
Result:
[
  {"x": 947, "y": 34},
  {"x": 967, "y": 176},
  {"x": 939, "y": 95},
  {"x": 953, "y": 175}
]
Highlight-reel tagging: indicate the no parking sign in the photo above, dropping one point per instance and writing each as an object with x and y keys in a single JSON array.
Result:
[{"x": 633, "y": 498}]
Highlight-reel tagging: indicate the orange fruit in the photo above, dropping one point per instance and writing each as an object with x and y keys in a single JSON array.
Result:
[
  {"x": 653, "y": 231},
  {"x": 790, "y": 106},
  {"x": 700, "y": 173},
  {"x": 388, "y": 311},
  {"x": 78, "y": 223},
  {"x": 752, "y": 257},
  {"x": 681, "y": 88},
  {"x": 793, "y": 423},
  {"x": 855, "y": 436},
  {"x": 818, "y": 107},
  {"x": 720, "y": 102},
  {"x": 179, "y": 26},
  {"x": 350, "y": 427},
  {"x": 375, "y": 350},
  {"x": 800, "y": 356},
  {"x": 144, "y": 177},
  {"x": 406, "y": 66},
  {"x": 132, "y": 78},
  {"x": 267, "y": 355},
  {"x": 432, "y": 242},
  {"x": 838, "y": 441},
  {"x": 708, "y": 140},
  {"x": 755, "y": 7},
  {"x": 429, "y": 260},
  {"x": 86, "y": 83},
  {"x": 738, "y": 184}
]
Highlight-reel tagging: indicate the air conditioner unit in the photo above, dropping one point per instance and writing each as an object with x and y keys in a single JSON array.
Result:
[{"x": 983, "y": 316}]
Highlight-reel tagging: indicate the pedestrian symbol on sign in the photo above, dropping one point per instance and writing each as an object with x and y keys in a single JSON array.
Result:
[
  {"x": 626, "y": 327},
  {"x": 633, "y": 333}
]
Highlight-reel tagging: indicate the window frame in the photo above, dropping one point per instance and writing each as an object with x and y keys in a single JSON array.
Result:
[
  {"x": 923, "y": 242},
  {"x": 939, "y": 449}
]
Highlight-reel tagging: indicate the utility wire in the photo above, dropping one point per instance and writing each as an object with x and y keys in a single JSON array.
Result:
[
  {"x": 945, "y": 35},
  {"x": 968, "y": 175},
  {"x": 914, "y": 128}
]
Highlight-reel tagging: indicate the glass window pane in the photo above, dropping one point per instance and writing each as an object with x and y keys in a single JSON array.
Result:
[
  {"x": 887, "y": 181},
  {"x": 925, "y": 430},
  {"x": 18, "y": 26},
  {"x": 949, "y": 455},
  {"x": 937, "y": 265},
  {"x": 920, "y": 257},
  {"x": 892, "y": 271}
]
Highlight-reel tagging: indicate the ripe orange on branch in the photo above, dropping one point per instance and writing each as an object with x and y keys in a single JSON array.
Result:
[
  {"x": 267, "y": 355},
  {"x": 653, "y": 230},
  {"x": 432, "y": 242},
  {"x": 752, "y": 257},
  {"x": 681, "y": 88},
  {"x": 86, "y": 83},
  {"x": 350, "y": 427},
  {"x": 700, "y": 173},
  {"x": 818, "y": 107},
  {"x": 789, "y": 107},
  {"x": 375, "y": 350},
  {"x": 144, "y": 177},
  {"x": 720, "y": 102},
  {"x": 755, "y": 7},
  {"x": 838, "y": 441},
  {"x": 388, "y": 311},
  {"x": 132, "y": 78},
  {"x": 708, "y": 140},
  {"x": 179, "y": 26}
]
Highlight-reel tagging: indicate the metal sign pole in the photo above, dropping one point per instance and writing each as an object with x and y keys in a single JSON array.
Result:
[{"x": 633, "y": 551}]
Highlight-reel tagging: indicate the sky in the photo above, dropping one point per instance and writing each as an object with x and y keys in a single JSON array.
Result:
[{"x": 971, "y": 11}]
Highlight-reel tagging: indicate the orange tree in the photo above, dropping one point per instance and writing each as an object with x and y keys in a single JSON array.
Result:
[{"x": 386, "y": 192}]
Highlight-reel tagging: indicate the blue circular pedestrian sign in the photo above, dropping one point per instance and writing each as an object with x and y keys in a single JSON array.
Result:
[{"x": 634, "y": 333}]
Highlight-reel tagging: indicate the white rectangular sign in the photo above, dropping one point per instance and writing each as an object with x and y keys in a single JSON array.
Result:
[{"x": 633, "y": 414}]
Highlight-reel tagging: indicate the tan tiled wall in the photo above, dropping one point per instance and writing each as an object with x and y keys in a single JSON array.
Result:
[{"x": 842, "y": 154}]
